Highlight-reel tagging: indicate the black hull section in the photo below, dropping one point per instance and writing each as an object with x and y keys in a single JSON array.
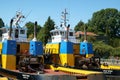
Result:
[
  {"x": 19, "y": 75},
  {"x": 34, "y": 76},
  {"x": 111, "y": 72}
]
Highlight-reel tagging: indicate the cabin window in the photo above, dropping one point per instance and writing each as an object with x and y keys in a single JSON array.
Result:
[
  {"x": 54, "y": 33},
  {"x": 16, "y": 33},
  {"x": 51, "y": 34},
  {"x": 57, "y": 33},
  {"x": 71, "y": 33},
  {"x": 65, "y": 33},
  {"x": 62, "y": 33},
  {"x": 22, "y": 31}
]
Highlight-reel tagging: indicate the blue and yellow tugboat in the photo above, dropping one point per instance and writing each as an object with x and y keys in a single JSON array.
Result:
[
  {"x": 62, "y": 59},
  {"x": 22, "y": 59},
  {"x": 66, "y": 51}
]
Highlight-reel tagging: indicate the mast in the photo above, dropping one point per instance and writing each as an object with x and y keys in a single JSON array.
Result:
[
  {"x": 64, "y": 18},
  {"x": 17, "y": 18}
]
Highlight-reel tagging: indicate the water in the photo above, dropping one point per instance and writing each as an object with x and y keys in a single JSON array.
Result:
[{"x": 113, "y": 77}]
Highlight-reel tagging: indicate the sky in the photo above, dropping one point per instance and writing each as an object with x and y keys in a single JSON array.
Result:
[{"x": 40, "y": 10}]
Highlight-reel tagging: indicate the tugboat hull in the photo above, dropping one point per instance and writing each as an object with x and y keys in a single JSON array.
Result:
[
  {"x": 34, "y": 76},
  {"x": 108, "y": 72},
  {"x": 111, "y": 72}
]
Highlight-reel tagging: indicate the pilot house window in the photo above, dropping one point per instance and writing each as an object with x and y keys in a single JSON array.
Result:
[
  {"x": 22, "y": 31},
  {"x": 16, "y": 33},
  {"x": 71, "y": 33}
]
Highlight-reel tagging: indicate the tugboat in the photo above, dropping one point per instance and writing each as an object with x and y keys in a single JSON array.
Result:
[
  {"x": 22, "y": 59},
  {"x": 65, "y": 47},
  {"x": 66, "y": 51}
]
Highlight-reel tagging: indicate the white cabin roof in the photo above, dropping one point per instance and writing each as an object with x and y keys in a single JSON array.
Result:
[
  {"x": 18, "y": 33},
  {"x": 59, "y": 35}
]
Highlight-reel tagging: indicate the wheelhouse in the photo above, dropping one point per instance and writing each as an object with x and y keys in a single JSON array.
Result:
[{"x": 58, "y": 35}]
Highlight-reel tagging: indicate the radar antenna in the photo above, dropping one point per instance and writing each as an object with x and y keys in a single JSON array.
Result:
[
  {"x": 64, "y": 18},
  {"x": 17, "y": 18}
]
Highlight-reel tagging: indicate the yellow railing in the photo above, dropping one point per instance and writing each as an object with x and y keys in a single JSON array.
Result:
[{"x": 75, "y": 71}]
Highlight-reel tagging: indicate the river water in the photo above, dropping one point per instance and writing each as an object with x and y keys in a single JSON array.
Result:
[{"x": 113, "y": 77}]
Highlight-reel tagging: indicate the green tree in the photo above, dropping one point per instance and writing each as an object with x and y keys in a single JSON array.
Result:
[
  {"x": 116, "y": 52},
  {"x": 115, "y": 42},
  {"x": 79, "y": 26},
  {"x": 101, "y": 49},
  {"x": 44, "y": 33},
  {"x": 1, "y": 25},
  {"x": 30, "y": 27},
  {"x": 106, "y": 21}
]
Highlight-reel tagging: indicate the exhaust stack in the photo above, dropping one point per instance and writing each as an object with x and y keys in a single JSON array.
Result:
[
  {"x": 67, "y": 33},
  {"x": 10, "y": 30},
  {"x": 85, "y": 34},
  {"x": 35, "y": 31}
]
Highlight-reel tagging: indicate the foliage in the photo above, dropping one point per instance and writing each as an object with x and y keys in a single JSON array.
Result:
[
  {"x": 101, "y": 49},
  {"x": 1, "y": 25},
  {"x": 105, "y": 51},
  {"x": 91, "y": 39},
  {"x": 41, "y": 35},
  {"x": 44, "y": 33},
  {"x": 115, "y": 42},
  {"x": 79, "y": 26},
  {"x": 30, "y": 31},
  {"x": 106, "y": 21},
  {"x": 116, "y": 52}
]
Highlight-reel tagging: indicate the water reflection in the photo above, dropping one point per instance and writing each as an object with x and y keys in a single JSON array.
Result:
[{"x": 113, "y": 77}]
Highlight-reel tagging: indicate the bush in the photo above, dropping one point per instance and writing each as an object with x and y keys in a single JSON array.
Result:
[
  {"x": 101, "y": 49},
  {"x": 115, "y": 42},
  {"x": 116, "y": 52}
]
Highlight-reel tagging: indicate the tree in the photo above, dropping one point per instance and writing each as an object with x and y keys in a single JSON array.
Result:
[
  {"x": 101, "y": 49},
  {"x": 1, "y": 25},
  {"x": 30, "y": 27},
  {"x": 106, "y": 21},
  {"x": 79, "y": 26},
  {"x": 44, "y": 33}
]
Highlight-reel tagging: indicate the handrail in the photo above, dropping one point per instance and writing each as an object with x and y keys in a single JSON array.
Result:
[
  {"x": 111, "y": 61},
  {"x": 75, "y": 71}
]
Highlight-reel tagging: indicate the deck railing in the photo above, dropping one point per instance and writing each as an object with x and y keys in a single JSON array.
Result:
[{"x": 110, "y": 61}]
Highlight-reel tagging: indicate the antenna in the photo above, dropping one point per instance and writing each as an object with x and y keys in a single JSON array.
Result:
[
  {"x": 27, "y": 15},
  {"x": 64, "y": 18},
  {"x": 17, "y": 18}
]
